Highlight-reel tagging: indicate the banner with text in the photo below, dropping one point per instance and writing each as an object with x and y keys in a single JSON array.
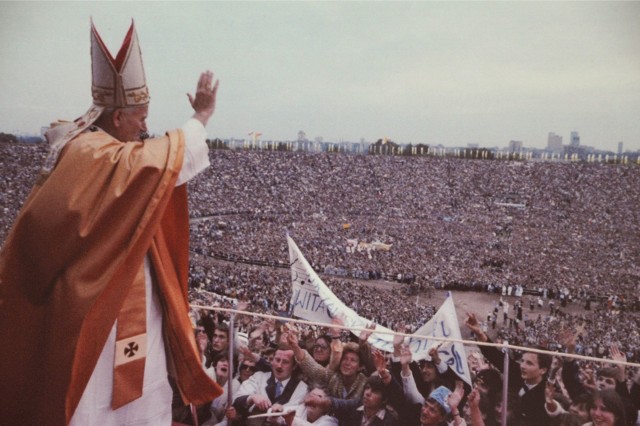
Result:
[{"x": 312, "y": 300}]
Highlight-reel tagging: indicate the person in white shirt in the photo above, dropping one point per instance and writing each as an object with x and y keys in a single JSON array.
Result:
[{"x": 265, "y": 390}]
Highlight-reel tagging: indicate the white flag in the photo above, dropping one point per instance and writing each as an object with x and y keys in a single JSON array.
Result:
[{"x": 443, "y": 324}]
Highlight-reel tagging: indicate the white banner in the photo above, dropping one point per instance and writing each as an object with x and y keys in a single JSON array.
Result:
[{"x": 312, "y": 300}]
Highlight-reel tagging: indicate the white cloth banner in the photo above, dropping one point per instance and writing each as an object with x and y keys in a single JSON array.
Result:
[{"x": 312, "y": 300}]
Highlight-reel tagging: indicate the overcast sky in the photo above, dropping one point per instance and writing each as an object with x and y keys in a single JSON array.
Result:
[{"x": 447, "y": 73}]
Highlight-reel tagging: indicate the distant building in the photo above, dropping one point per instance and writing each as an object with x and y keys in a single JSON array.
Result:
[
  {"x": 554, "y": 143},
  {"x": 515, "y": 146},
  {"x": 575, "y": 139},
  {"x": 620, "y": 148}
]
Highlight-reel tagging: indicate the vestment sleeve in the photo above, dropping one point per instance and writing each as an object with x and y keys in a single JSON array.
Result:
[{"x": 196, "y": 151}]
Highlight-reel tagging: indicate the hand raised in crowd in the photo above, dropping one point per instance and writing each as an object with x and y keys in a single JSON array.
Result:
[
  {"x": 202, "y": 340},
  {"x": 405, "y": 359},
  {"x": 290, "y": 337},
  {"x": 549, "y": 391},
  {"x": 617, "y": 355},
  {"x": 335, "y": 331},
  {"x": 247, "y": 354},
  {"x": 456, "y": 396},
  {"x": 398, "y": 339},
  {"x": 472, "y": 324},
  {"x": 293, "y": 341},
  {"x": 204, "y": 102},
  {"x": 286, "y": 330},
  {"x": 433, "y": 353},
  {"x": 367, "y": 332},
  {"x": 406, "y": 356},
  {"x": 381, "y": 366},
  {"x": 567, "y": 338},
  {"x": 307, "y": 335},
  {"x": 336, "y": 348}
]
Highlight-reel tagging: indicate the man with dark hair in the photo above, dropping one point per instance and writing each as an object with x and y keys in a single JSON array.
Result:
[
  {"x": 370, "y": 409},
  {"x": 526, "y": 377},
  {"x": 219, "y": 343}
]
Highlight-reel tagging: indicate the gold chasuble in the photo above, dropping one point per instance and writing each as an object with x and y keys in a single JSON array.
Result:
[{"x": 70, "y": 261}]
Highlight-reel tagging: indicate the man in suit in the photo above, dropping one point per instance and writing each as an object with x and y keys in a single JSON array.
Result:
[
  {"x": 264, "y": 390},
  {"x": 527, "y": 377}
]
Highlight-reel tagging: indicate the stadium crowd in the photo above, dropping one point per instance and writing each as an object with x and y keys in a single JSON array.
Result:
[
  {"x": 562, "y": 232},
  {"x": 568, "y": 228}
]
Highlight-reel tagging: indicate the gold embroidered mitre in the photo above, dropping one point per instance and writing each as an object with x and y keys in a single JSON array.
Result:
[{"x": 118, "y": 82}]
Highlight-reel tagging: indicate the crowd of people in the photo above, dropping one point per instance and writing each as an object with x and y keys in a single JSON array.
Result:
[
  {"x": 268, "y": 291},
  {"x": 551, "y": 234},
  {"x": 20, "y": 164},
  {"x": 284, "y": 374},
  {"x": 567, "y": 228},
  {"x": 451, "y": 223}
]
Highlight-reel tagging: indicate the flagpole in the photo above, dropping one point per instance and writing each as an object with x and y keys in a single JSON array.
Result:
[
  {"x": 232, "y": 339},
  {"x": 505, "y": 382}
]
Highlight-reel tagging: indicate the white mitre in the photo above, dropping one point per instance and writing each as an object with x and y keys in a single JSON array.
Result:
[{"x": 116, "y": 83}]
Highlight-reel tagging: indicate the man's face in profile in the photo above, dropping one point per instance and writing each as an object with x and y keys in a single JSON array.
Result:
[{"x": 133, "y": 124}]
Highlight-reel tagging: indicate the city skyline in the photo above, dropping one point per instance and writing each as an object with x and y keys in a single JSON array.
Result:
[{"x": 453, "y": 74}]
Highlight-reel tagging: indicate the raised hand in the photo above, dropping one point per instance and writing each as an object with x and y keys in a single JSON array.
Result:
[
  {"x": 456, "y": 396},
  {"x": 381, "y": 366},
  {"x": 567, "y": 338},
  {"x": 405, "y": 355},
  {"x": 378, "y": 360},
  {"x": 549, "y": 391},
  {"x": 435, "y": 356},
  {"x": 204, "y": 102},
  {"x": 202, "y": 340},
  {"x": 618, "y": 355},
  {"x": 472, "y": 324},
  {"x": 291, "y": 337},
  {"x": 474, "y": 399},
  {"x": 366, "y": 333},
  {"x": 398, "y": 339},
  {"x": 334, "y": 331}
]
